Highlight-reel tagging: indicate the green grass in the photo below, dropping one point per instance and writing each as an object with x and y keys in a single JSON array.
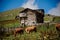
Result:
[
  {"x": 10, "y": 23},
  {"x": 57, "y": 19},
  {"x": 36, "y": 35},
  {"x": 10, "y": 14},
  {"x": 48, "y": 18},
  {"x": 7, "y": 19}
]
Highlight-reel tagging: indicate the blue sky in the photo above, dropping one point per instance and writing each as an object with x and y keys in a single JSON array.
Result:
[{"x": 42, "y": 4}]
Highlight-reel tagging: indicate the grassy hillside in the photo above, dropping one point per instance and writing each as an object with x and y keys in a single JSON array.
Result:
[
  {"x": 7, "y": 18},
  {"x": 10, "y": 23},
  {"x": 57, "y": 19},
  {"x": 48, "y": 18},
  {"x": 10, "y": 14},
  {"x": 51, "y": 18}
]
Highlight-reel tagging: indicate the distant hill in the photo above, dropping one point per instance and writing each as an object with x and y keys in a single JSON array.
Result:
[{"x": 10, "y": 14}]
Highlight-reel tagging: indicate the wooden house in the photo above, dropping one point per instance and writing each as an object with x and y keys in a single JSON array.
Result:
[{"x": 31, "y": 17}]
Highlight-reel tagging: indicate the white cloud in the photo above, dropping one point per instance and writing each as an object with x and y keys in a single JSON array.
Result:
[
  {"x": 55, "y": 11},
  {"x": 30, "y": 4}
]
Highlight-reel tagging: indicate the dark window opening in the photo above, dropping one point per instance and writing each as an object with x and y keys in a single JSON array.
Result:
[{"x": 39, "y": 18}]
